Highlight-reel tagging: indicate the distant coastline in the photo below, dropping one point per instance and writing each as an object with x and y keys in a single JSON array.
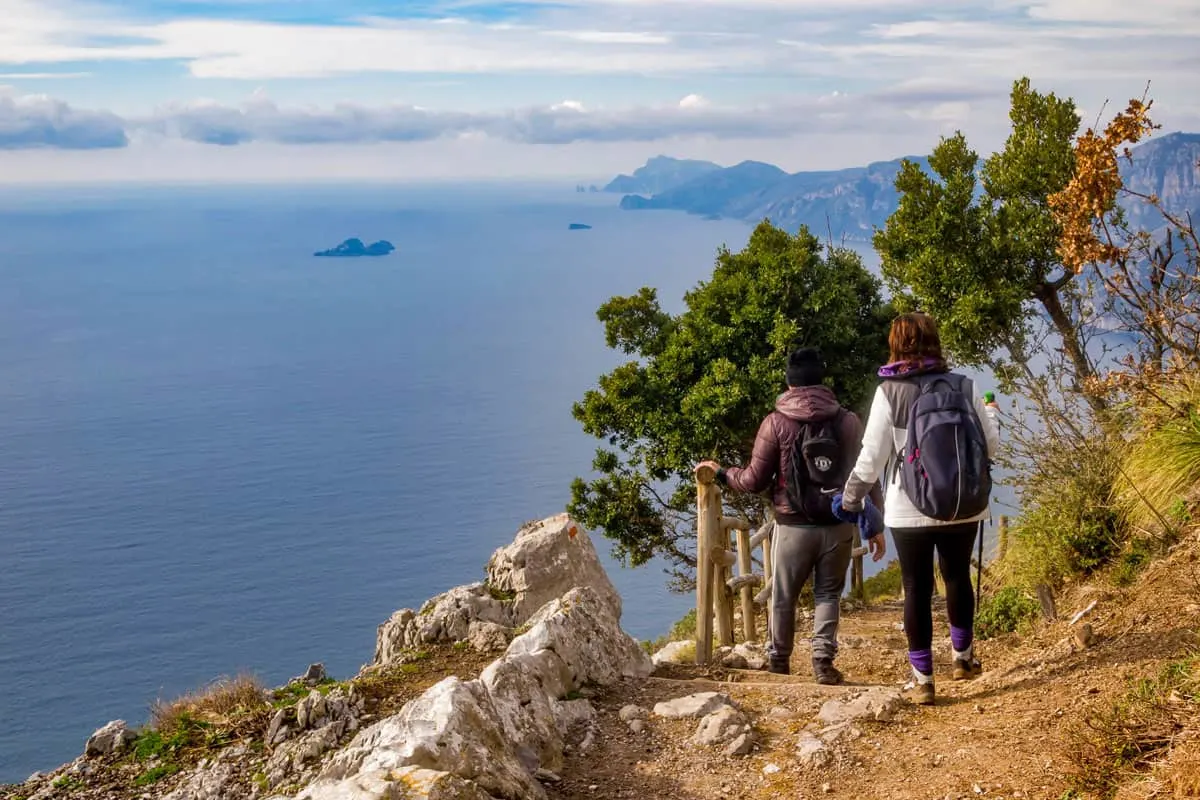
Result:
[{"x": 849, "y": 205}]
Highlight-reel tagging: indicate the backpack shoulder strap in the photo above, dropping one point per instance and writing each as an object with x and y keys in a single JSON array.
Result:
[{"x": 900, "y": 396}]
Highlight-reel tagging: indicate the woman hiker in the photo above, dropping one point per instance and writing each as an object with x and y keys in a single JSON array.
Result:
[{"x": 936, "y": 496}]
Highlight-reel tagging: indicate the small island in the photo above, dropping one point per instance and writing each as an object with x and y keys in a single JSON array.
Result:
[
  {"x": 354, "y": 248},
  {"x": 578, "y": 226}
]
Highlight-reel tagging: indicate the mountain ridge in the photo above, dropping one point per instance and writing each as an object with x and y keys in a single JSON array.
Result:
[{"x": 851, "y": 203}]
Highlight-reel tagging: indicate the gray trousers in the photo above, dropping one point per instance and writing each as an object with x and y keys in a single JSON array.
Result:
[{"x": 797, "y": 552}]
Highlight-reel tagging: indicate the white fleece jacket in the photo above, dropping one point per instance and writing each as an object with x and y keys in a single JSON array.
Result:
[{"x": 881, "y": 441}]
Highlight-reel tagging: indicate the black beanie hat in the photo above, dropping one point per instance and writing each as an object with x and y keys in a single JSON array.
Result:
[{"x": 805, "y": 367}]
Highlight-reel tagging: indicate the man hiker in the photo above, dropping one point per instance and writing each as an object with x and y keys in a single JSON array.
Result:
[{"x": 804, "y": 452}]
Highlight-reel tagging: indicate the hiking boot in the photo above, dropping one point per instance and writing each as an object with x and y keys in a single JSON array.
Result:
[
  {"x": 966, "y": 669},
  {"x": 826, "y": 673},
  {"x": 779, "y": 666},
  {"x": 922, "y": 689}
]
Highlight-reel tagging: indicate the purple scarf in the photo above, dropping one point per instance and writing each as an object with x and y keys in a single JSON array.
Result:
[{"x": 903, "y": 369}]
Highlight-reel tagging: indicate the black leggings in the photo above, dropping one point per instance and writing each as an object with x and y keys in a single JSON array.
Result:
[{"x": 915, "y": 547}]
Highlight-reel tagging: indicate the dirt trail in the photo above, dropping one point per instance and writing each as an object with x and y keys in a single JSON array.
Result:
[{"x": 1004, "y": 735}]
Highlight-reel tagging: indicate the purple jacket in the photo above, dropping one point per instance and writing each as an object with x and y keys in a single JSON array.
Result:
[{"x": 777, "y": 437}]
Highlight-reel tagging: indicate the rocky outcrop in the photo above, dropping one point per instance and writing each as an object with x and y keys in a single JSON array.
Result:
[
  {"x": 445, "y": 618},
  {"x": 112, "y": 738},
  {"x": 503, "y": 728},
  {"x": 546, "y": 560},
  {"x": 299, "y": 736}
]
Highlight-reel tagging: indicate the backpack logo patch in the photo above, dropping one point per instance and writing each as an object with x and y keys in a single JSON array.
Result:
[{"x": 823, "y": 464}]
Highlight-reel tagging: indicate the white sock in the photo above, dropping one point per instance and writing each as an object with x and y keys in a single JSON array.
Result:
[
  {"x": 920, "y": 678},
  {"x": 965, "y": 655}
]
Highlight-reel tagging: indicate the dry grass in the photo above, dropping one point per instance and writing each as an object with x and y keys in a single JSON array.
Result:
[
  {"x": 233, "y": 704},
  {"x": 1119, "y": 744},
  {"x": 1157, "y": 486},
  {"x": 1181, "y": 774}
]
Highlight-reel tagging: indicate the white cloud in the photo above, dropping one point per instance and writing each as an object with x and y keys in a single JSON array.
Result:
[
  {"x": 32, "y": 121},
  {"x": 900, "y": 67},
  {"x": 42, "y": 76},
  {"x": 612, "y": 37},
  {"x": 39, "y": 121},
  {"x": 261, "y": 120}
]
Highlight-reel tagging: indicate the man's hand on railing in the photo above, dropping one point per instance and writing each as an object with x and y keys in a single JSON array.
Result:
[{"x": 717, "y": 472}]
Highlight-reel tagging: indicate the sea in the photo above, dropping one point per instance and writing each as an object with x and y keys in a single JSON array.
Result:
[{"x": 220, "y": 454}]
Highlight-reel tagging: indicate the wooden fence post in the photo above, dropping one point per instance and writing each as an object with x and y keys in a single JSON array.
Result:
[
  {"x": 856, "y": 575},
  {"x": 745, "y": 567},
  {"x": 1003, "y": 536},
  {"x": 708, "y": 523},
  {"x": 763, "y": 538},
  {"x": 723, "y": 559}
]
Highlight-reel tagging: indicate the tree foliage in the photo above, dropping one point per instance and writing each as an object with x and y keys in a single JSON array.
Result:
[
  {"x": 700, "y": 382},
  {"x": 977, "y": 246}
]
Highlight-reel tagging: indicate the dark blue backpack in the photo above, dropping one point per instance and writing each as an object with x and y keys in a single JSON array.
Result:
[{"x": 944, "y": 467}]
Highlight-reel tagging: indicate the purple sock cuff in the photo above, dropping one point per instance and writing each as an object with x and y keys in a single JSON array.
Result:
[
  {"x": 922, "y": 661},
  {"x": 961, "y": 638}
]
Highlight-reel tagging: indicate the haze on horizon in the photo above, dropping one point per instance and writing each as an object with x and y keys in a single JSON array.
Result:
[{"x": 273, "y": 90}]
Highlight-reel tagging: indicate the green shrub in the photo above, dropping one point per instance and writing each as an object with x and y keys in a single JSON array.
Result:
[
  {"x": 682, "y": 630},
  {"x": 1135, "y": 557},
  {"x": 885, "y": 584},
  {"x": 1069, "y": 526},
  {"x": 1004, "y": 612},
  {"x": 155, "y": 774}
]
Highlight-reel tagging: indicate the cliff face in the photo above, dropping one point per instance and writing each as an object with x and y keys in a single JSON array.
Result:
[
  {"x": 660, "y": 174},
  {"x": 1164, "y": 167},
  {"x": 854, "y": 202}
]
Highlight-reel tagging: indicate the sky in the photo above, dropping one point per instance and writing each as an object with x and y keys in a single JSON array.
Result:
[{"x": 288, "y": 90}]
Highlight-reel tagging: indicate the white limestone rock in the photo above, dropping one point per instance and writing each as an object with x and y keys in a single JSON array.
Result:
[
  {"x": 694, "y": 705},
  {"x": 445, "y": 618},
  {"x": 582, "y": 629},
  {"x": 523, "y": 689},
  {"x": 877, "y": 704},
  {"x": 546, "y": 560},
  {"x": 453, "y": 727},
  {"x": 488, "y": 637},
  {"x": 112, "y": 738},
  {"x": 721, "y": 726}
]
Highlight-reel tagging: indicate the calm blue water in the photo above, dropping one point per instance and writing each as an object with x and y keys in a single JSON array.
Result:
[{"x": 218, "y": 453}]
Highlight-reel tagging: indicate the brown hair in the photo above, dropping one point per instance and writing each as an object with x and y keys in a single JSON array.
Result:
[{"x": 914, "y": 337}]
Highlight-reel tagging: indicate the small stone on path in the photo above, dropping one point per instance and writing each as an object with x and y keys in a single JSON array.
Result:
[{"x": 694, "y": 705}]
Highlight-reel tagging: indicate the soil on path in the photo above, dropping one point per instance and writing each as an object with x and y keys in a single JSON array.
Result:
[{"x": 1004, "y": 735}]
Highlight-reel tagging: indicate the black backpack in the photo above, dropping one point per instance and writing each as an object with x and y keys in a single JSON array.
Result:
[
  {"x": 944, "y": 467},
  {"x": 818, "y": 470}
]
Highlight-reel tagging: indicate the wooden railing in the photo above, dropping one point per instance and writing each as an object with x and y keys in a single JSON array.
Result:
[{"x": 716, "y": 557}]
